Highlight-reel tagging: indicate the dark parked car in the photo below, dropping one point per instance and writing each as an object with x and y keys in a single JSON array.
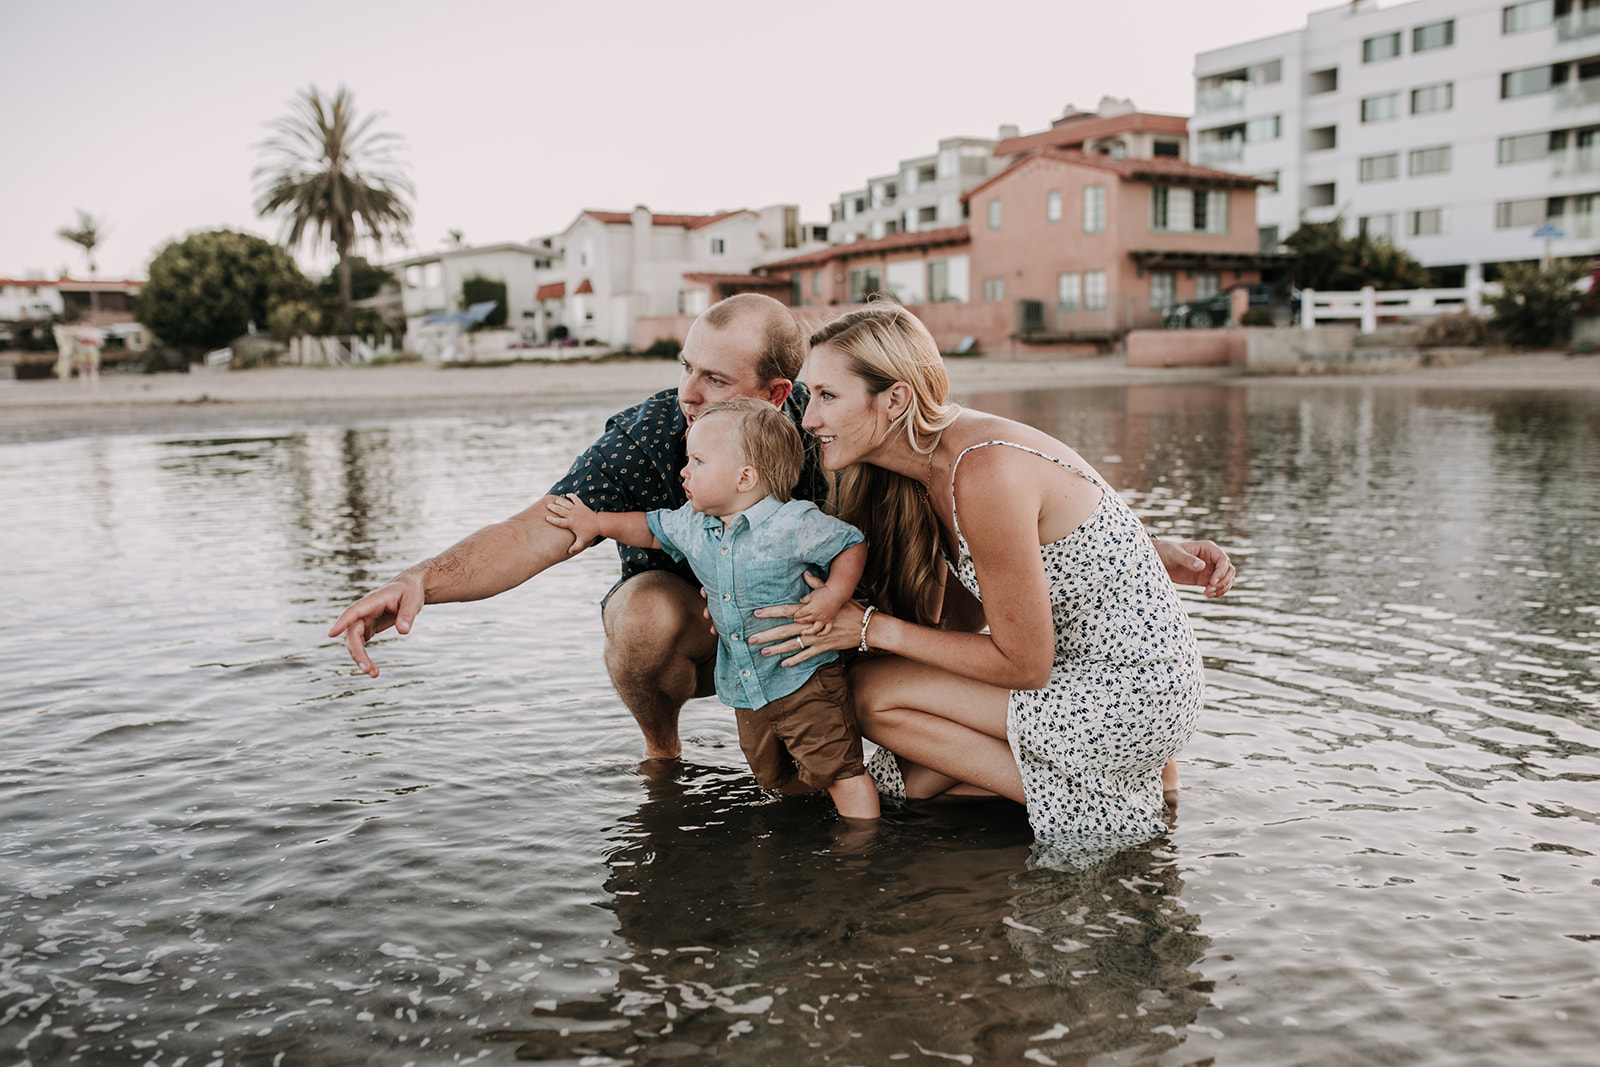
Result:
[{"x": 1217, "y": 310}]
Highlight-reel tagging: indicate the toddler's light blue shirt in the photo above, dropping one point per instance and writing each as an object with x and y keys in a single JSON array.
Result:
[{"x": 758, "y": 561}]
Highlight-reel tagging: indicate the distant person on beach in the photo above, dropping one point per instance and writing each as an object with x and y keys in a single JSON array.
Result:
[
  {"x": 1087, "y": 681},
  {"x": 751, "y": 544},
  {"x": 659, "y": 648}
]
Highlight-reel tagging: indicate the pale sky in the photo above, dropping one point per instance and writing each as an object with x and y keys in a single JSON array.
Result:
[{"x": 518, "y": 115}]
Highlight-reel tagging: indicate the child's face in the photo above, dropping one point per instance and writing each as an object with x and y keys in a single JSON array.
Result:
[{"x": 716, "y": 472}]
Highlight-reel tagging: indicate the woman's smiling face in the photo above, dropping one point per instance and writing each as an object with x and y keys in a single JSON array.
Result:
[{"x": 848, "y": 421}]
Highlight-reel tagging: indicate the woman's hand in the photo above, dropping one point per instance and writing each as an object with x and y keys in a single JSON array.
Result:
[
  {"x": 1199, "y": 563},
  {"x": 795, "y": 640}
]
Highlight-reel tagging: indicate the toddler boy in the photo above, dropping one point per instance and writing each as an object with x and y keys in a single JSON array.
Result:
[{"x": 749, "y": 545}]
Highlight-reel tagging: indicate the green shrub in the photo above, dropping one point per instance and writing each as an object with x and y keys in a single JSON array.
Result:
[
  {"x": 1536, "y": 306},
  {"x": 1256, "y": 317},
  {"x": 664, "y": 348}
]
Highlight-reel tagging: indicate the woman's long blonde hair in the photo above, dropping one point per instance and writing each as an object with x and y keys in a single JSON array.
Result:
[{"x": 883, "y": 344}]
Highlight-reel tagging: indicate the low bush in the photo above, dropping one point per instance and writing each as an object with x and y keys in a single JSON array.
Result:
[
  {"x": 664, "y": 348},
  {"x": 1454, "y": 329}
]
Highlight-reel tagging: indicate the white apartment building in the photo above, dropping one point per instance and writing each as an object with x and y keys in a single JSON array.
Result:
[
  {"x": 431, "y": 283},
  {"x": 923, "y": 193},
  {"x": 1462, "y": 130}
]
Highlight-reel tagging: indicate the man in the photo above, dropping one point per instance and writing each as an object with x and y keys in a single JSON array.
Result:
[{"x": 660, "y": 650}]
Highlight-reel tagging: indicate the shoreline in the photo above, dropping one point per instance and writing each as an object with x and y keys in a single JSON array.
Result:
[{"x": 207, "y": 400}]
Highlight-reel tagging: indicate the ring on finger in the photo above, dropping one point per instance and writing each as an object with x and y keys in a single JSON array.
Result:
[{"x": 799, "y": 641}]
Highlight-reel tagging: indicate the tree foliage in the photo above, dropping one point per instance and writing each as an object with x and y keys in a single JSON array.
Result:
[
  {"x": 1331, "y": 261},
  {"x": 477, "y": 289},
  {"x": 1536, "y": 305},
  {"x": 207, "y": 289},
  {"x": 334, "y": 180}
]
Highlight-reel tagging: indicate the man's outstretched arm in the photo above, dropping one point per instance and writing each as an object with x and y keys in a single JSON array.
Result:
[{"x": 496, "y": 558}]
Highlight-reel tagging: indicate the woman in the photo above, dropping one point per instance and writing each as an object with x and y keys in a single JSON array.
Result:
[{"x": 1087, "y": 681}]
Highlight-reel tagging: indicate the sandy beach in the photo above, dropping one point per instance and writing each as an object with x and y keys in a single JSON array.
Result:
[{"x": 131, "y": 403}]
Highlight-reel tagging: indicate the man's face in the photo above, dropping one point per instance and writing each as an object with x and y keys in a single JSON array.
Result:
[{"x": 720, "y": 364}]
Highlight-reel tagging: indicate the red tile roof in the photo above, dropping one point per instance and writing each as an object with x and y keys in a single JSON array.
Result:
[
  {"x": 553, "y": 291},
  {"x": 688, "y": 222},
  {"x": 583, "y": 287},
  {"x": 1077, "y": 130},
  {"x": 102, "y": 285},
  {"x": 1160, "y": 168},
  {"x": 949, "y": 235}
]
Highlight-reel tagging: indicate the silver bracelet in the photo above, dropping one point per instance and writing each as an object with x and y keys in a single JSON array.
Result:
[{"x": 866, "y": 617}]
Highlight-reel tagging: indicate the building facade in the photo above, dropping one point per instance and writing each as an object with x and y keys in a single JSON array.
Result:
[
  {"x": 1460, "y": 130},
  {"x": 922, "y": 193},
  {"x": 1063, "y": 250},
  {"x": 431, "y": 284}
]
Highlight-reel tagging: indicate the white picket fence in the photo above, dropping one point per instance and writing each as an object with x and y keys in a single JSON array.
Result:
[{"x": 1368, "y": 304}]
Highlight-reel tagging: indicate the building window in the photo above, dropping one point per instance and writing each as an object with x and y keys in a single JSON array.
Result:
[
  {"x": 1168, "y": 149},
  {"x": 1094, "y": 209},
  {"x": 1175, "y": 210},
  {"x": 1160, "y": 208},
  {"x": 947, "y": 280},
  {"x": 1386, "y": 46},
  {"x": 1052, "y": 206},
  {"x": 1269, "y": 180},
  {"x": 1321, "y": 195},
  {"x": 1322, "y": 139},
  {"x": 1376, "y": 227},
  {"x": 1509, "y": 214},
  {"x": 1207, "y": 284},
  {"x": 1163, "y": 290},
  {"x": 927, "y": 215},
  {"x": 1435, "y": 160},
  {"x": 1521, "y": 148},
  {"x": 864, "y": 282},
  {"x": 1094, "y": 290},
  {"x": 1527, "y": 16},
  {"x": 1426, "y": 222},
  {"x": 816, "y": 283},
  {"x": 1322, "y": 81},
  {"x": 1428, "y": 98},
  {"x": 1433, "y": 35},
  {"x": 1380, "y": 108},
  {"x": 994, "y": 214},
  {"x": 718, "y": 246},
  {"x": 1380, "y": 168},
  {"x": 1526, "y": 82},
  {"x": 994, "y": 288},
  {"x": 1069, "y": 291},
  {"x": 1266, "y": 128},
  {"x": 1267, "y": 238},
  {"x": 586, "y": 252}
]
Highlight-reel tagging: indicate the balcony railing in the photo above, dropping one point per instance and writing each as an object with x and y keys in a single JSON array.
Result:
[
  {"x": 1225, "y": 97},
  {"x": 1213, "y": 153},
  {"x": 1578, "y": 163},
  {"x": 1582, "y": 94},
  {"x": 1578, "y": 25}
]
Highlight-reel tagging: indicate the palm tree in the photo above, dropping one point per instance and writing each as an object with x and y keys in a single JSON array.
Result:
[
  {"x": 332, "y": 178},
  {"x": 87, "y": 237}
]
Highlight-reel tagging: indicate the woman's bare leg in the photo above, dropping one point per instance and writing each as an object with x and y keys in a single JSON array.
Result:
[{"x": 945, "y": 728}]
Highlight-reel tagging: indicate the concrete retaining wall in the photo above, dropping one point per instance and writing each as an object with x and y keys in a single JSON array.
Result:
[{"x": 1186, "y": 348}]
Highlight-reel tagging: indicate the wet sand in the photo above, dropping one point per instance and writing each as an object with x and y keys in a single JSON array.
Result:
[{"x": 209, "y": 400}]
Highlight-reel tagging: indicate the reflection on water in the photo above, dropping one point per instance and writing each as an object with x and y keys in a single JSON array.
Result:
[{"x": 222, "y": 845}]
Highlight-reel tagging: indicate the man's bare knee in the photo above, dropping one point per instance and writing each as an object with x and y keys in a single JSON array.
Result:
[{"x": 654, "y": 618}]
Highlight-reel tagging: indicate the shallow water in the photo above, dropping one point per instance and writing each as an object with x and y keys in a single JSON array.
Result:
[{"x": 221, "y": 844}]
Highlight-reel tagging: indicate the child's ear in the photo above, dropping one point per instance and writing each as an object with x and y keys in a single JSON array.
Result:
[{"x": 749, "y": 478}]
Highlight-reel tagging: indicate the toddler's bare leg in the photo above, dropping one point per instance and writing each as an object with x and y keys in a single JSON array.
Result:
[{"x": 856, "y": 798}]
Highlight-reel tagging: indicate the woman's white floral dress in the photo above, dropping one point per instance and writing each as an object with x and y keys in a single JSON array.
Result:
[{"x": 1125, "y": 692}]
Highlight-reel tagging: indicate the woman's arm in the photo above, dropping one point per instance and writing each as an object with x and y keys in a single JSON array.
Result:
[{"x": 999, "y": 501}]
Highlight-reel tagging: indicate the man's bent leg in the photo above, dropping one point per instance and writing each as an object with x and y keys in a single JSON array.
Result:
[{"x": 660, "y": 652}]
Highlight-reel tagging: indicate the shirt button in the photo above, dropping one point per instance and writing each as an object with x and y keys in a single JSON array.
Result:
[
  {"x": 737, "y": 637},
  {"x": 724, "y": 550},
  {"x": 744, "y": 674},
  {"x": 724, "y": 596}
]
